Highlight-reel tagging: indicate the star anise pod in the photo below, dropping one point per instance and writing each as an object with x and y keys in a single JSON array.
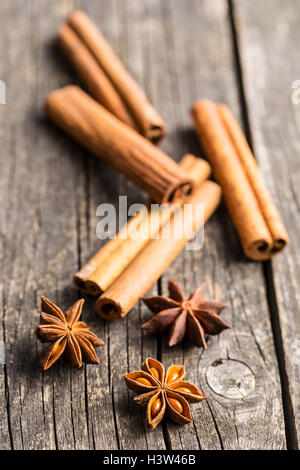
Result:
[
  {"x": 163, "y": 392},
  {"x": 192, "y": 317},
  {"x": 68, "y": 336}
]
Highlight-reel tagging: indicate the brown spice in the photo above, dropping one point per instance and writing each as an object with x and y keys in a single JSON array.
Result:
[
  {"x": 97, "y": 82},
  {"x": 192, "y": 318},
  {"x": 68, "y": 336},
  {"x": 111, "y": 260},
  {"x": 157, "y": 255},
  {"x": 110, "y": 139},
  {"x": 167, "y": 394},
  {"x": 95, "y": 47},
  {"x": 248, "y": 199}
]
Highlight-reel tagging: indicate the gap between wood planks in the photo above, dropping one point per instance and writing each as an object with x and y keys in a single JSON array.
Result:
[{"x": 289, "y": 417}]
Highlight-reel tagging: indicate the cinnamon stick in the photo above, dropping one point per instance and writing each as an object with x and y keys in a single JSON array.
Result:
[
  {"x": 111, "y": 260},
  {"x": 116, "y": 143},
  {"x": 248, "y": 199},
  {"x": 92, "y": 75},
  {"x": 157, "y": 255},
  {"x": 197, "y": 168},
  {"x": 145, "y": 116}
]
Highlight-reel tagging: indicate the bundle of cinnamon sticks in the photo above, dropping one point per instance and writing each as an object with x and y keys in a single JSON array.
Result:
[
  {"x": 110, "y": 139},
  {"x": 109, "y": 262},
  {"x": 125, "y": 268},
  {"x": 157, "y": 255},
  {"x": 248, "y": 199},
  {"x": 119, "y": 125},
  {"x": 106, "y": 78}
]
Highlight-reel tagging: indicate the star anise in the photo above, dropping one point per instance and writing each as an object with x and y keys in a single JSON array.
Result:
[
  {"x": 67, "y": 335},
  {"x": 192, "y": 317},
  {"x": 163, "y": 392}
]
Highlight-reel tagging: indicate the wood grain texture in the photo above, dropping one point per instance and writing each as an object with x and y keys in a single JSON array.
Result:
[
  {"x": 49, "y": 191},
  {"x": 268, "y": 35}
]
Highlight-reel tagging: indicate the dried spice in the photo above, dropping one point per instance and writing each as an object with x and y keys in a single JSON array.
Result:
[
  {"x": 158, "y": 254},
  {"x": 68, "y": 336},
  {"x": 105, "y": 267},
  {"x": 192, "y": 317},
  {"x": 134, "y": 100},
  {"x": 110, "y": 139},
  {"x": 163, "y": 392},
  {"x": 252, "y": 209}
]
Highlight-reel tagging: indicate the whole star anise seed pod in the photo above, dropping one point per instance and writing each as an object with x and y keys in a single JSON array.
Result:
[
  {"x": 163, "y": 392},
  {"x": 68, "y": 336},
  {"x": 192, "y": 317}
]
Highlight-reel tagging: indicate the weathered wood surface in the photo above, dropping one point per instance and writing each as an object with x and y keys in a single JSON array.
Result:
[
  {"x": 268, "y": 32},
  {"x": 238, "y": 367},
  {"x": 49, "y": 192}
]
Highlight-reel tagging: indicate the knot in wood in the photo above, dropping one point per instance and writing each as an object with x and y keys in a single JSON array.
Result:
[{"x": 230, "y": 378}]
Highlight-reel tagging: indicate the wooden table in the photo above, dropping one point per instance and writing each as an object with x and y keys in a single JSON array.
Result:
[{"x": 245, "y": 54}]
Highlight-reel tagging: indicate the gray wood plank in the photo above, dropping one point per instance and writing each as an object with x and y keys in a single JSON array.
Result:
[
  {"x": 40, "y": 241},
  {"x": 267, "y": 35},
  {"x": 238, "y": 372},
  {"x": 57, "y": 254},
  {"x": 19, "y": 236}
]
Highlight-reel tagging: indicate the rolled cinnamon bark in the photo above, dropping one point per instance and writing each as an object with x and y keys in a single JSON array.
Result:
[
  {"x": 248, "y": 199},
  {"x": 157, "y": 255},
  {"x": 110, "y": 139},
  {"x": 146, "y": 117},
  {"x": 197, "y": 168},
  {"x": 97, "y": 274},
  {"x": 111, "y": 260},
  {"x": 92, "y": 75}
]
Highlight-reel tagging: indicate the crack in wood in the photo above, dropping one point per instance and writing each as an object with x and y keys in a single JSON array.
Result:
[{"x": 288, "y": 409}]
